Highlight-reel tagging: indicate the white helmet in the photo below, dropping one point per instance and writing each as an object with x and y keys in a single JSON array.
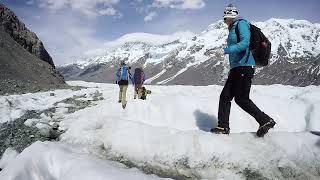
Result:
[{"x": 230, "y": 12}]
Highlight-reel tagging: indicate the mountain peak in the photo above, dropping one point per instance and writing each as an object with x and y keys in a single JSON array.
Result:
[
  {"x": 186, "y": 60},
  {"x": 298, "y": 37},
  {"x": 217, "y": 25}
]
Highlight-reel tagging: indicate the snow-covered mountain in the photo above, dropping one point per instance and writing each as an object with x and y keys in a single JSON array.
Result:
[{"x": 197, "y": 59}]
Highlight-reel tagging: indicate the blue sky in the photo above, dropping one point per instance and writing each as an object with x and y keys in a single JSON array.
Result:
[{"x": 69, "y": 28}]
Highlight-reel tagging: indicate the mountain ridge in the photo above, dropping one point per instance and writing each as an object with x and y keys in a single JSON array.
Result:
[{"x": 294, "y": 43}]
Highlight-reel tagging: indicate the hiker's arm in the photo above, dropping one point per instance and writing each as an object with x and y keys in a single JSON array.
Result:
[
  {"x": 118, "y": 76},
  {"x": 130, "y": 77},
  {"x": 143, "y": 77},
  {"x": 244, "y": 33}
]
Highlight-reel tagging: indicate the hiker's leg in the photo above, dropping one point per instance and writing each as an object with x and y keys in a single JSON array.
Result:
[
  {"x": 120, "y": 92},
  {"x": 242, "y": 93},
  {"x": 135, "y": 91},
  {"x": 225, "y": 104},
  {"x": 139, "y": 91},
  {"x": 124, "y": 95}
]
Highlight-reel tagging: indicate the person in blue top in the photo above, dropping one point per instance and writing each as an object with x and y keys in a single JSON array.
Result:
[
  {"x": 123, "y": 75},
  {"x": 240, "y": 76}
]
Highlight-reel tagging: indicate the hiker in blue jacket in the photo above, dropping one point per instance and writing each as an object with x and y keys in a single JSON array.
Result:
[
  {"x": 123, "y": 75},
  {"x": 240, "y": 76}
]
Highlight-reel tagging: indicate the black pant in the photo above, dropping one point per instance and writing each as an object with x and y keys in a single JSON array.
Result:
[{"x": 238, "y": 87}]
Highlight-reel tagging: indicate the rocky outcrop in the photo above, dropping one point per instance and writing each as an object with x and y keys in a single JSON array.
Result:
[
  {"x": 25, "y": 65},
  {"x": 302, "y": 73},
  {"x": 21, "y": 70},
  {"x": 27, "y": 39}
]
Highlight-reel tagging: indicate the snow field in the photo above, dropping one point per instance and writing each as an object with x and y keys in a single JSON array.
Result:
[{"x": 169, "y": 131}]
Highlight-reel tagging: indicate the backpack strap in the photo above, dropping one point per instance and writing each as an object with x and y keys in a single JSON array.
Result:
[
  {"x": 238, "y": 40},
  {"x": 237, "y": 32},
  {"x": 130, "y": 76},
  {"x": 121, "y": 73},
  {"x": 129, "y": 73},
  {"x": 142, "y": 76}
]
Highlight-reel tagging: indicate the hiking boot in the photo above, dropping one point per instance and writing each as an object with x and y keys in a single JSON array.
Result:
[
  {"x": 119, "y": 101},
  {"x": 124, "y": 106},
  {"x": 263, "y": 129},
  {"x": 220, "y": 130}
]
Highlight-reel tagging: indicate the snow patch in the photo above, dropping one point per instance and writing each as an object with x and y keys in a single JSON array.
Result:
[
  {"x": 45, "y": 160},
  {"x": 8, "y": 156}
]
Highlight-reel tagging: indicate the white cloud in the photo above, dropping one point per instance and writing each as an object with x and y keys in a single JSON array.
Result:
[
  {"x": 179, "y": 4},
  {"x": 153, "y": 39},
  {"x": 36, "y": 17},
  {"x": 90, "y": 8},
  {"x": 109, "y": 11},
  {"x": 53, "y": 4},
  {"x": 65, "y": 35},
  {"x": 30, "y": 2},
  {"x": 150, "y": 16}
]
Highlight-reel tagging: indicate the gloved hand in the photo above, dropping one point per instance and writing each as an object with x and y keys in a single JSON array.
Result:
[
  {"x": 216, "y": 52},
  {"x": 219, "y": 52}
]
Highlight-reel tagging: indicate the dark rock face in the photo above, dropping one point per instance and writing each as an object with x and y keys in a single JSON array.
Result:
[
  {"x": 27, "y": 39},
  {"x": 20, "y": 70},
  {"x": 25, "y": 65},
  {"x": 95, "y": 73},
  {"x": 69, "y": 71},
  {"x": 303, "y": 72},
  {"x": 206, "y": 73}
]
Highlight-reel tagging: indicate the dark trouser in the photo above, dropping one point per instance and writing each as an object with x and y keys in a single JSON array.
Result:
[
  {"x": 138, "y": 90},
  {"x": 238, "y": 87}
]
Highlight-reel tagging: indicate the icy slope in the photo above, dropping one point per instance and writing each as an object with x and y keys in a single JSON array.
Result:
[
  {"x": 55, "y": 161},
  {"x": 183, "y": 107}
]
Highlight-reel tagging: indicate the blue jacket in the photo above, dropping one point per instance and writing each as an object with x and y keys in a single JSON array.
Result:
[
  {"x": 238, "y": 51},
  {"x": 123, "y": 73}
]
